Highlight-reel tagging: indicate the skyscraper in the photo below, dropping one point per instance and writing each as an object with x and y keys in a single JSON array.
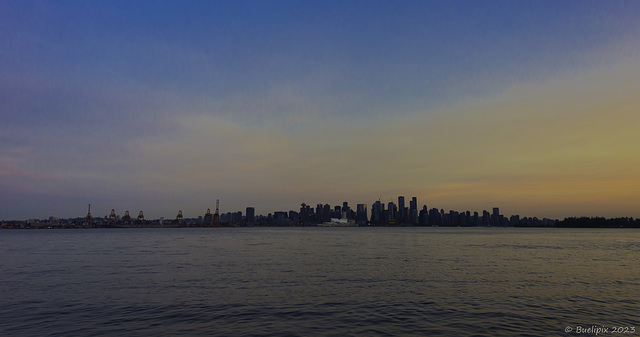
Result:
[
  {"x": 326, "y": 213},
  {"x": 377, "y": 210},
  {"x": 392, "y": 212},
  {"x": 401, "y": 215},
  {"x": 496, "y": 218},
  {"x": 423, "y": 217},
  {"x": 319, "y": 208},
  {"x": 361, "y": 213},
  {"x": 304, "y": 212},
  {"x": 251, "y": 214},
  {"x": 413, "y": 211}
]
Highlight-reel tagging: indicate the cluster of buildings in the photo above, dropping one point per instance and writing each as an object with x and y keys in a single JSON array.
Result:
[
  {"x": 392, "y": 214},
  {"x": 380, "y": 214}
]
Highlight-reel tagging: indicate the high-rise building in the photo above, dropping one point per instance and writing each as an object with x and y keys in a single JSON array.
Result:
[
  {"x": 304, "y": 212},
  {"x": 423, "y": 217},
  {"x": 434, "y": 217},
  {"x": 377, "y": 210},
  {"x": 486, "y": 218},
  {"x": 337, "y": 212},
  {"x": 401, "y": 216},
  {"x": 413, "y": 211},
  {"x": 361, "y": 213},
  {"x": 319, "y": 208},
  {"x": 236, "y": 217},
  {"x": 279, "y": 215},
  {"x": 326, "y": 213},
  {"x": 251, "y": 214},
  {"x": 392, "y": 212},
  {"x": 495, "y": 217},
  {"x": 379, "y": 215}
]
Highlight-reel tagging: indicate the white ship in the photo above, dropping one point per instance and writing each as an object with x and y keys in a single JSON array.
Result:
[{"x": 338, "y": 223}]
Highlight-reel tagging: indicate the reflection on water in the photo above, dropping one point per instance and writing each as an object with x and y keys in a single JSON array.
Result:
[{"x": 317, "y": 281}]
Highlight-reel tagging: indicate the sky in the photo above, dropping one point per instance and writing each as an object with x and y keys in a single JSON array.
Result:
[{"x": 160, "y": 106}]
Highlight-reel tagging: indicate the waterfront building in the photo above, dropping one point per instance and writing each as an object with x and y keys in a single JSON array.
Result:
[
  {"x": 486, "y": 218},
  {"x": 423, "y": 217},
  {"x": 304, "y": 212},
  {"x": 361, "y": 214},
  {"x": 251, "y": 214},
  {"x": 401, "y": 211},
  {"x": 392, "y": 213},
  {"x": 326, "y": 213},
  {"x": 337, "y": 212},
  {"x": 496, "y": 217},
  {"x": 434, "y": 217},
  {"x": 413, "y": 211},
  {"x": 377, "y": 213},
  {"x": 345, "y": 207},
  {"x": 279, "y": 216},
  {"x": 319, "y": 210},
  {"x": 236, "y": 217}
]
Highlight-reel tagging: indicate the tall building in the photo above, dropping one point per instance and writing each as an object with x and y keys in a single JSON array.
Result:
[
  {"x": 319, "y": 208},
  {"x": 345, "y": 207},
  {"x": 361, "y": 213},
  {"x": 347, "y": 212},
  {"x": 378, "y": 214},
  {"x": 279, "y": 215},
  {"x": 326, "y": 213},
  {"x": 434, "y": 217},
  {"x": 496, "y": 218},
  {"x": 413, "y": 211},
  {"x": 486, "y": 218},
  {"x": 377, "y": 209},
  {"x": 401, "y": 215},
  {"x": 337, "y": 212},
  {"x": 392, "y": 212},
  {"x": 423, "y": 217},
  {"x": 304, "y": 212},
  {"x": 251, "y": 214}
]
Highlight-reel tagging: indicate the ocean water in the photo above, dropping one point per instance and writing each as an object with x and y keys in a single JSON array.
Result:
[{"x": 319, "y": 282}]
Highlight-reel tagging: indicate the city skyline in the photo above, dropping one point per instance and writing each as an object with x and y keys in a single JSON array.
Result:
[
  {"x": 530, "y": 106},
  {"x": 343, "y": 209}
]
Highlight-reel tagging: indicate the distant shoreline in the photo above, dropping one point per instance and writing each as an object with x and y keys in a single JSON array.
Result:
[{"x": 574, "y": 222}]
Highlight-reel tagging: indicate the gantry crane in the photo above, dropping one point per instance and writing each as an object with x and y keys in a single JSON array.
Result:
[
  {"x": 89, "y": 218},
  {"x": 208, "y": 219},
  {"x": 112, "y": 216},
  {"x": 180, "y": 219}
]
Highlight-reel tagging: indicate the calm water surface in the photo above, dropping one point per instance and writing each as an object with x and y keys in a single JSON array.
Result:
[{"x": 318, "y": 281}]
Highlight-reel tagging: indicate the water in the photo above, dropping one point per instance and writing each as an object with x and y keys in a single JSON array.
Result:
[{"x": 318, "y": 281}]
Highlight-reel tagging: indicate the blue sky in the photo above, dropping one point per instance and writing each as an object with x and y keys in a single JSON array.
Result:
[{"x": 530, "y": 106}]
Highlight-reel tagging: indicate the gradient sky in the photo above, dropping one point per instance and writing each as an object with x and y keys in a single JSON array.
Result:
[{"x": 530, "y": 106}]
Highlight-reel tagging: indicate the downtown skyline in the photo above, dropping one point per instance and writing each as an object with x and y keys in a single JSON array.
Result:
[
  {"x": 530, "y": 106},
  {"x": 378, "y": 213}
]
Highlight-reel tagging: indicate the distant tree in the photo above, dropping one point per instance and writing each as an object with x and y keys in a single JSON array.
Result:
[{"x": 599, "y": 222}]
